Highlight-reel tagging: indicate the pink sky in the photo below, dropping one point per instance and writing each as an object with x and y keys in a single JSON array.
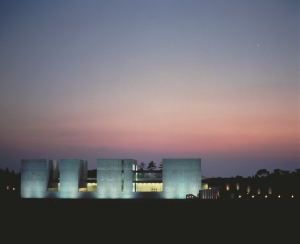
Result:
[{"x": 152, "y": 80}]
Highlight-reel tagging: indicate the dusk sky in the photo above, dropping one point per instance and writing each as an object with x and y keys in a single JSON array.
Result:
[{"x": 217, "y": 80}]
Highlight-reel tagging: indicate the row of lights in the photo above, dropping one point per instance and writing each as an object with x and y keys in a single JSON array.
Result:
[
  {"x": 248, "y": 188},
  {"x": 7, "y": 188},
  {"x": 266, "y": 196},
  {"x": 148, "y": 183}
]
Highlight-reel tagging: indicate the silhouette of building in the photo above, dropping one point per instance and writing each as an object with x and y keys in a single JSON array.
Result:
[{"x": 116, "y": 179}]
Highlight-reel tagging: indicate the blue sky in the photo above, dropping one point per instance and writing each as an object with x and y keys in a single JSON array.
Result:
[{"x": 149, "y": 80}]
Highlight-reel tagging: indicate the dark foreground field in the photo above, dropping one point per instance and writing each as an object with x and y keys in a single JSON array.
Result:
[{"x": 140, "y": 220}]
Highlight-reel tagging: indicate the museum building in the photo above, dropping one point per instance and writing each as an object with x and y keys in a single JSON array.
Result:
[{"x": 116, "y": 179}]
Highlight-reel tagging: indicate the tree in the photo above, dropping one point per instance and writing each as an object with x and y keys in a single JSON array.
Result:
[
  {"x": 262, "y": 173},
  {"x": 285, "y": 173},
  {"x": 151, "y": 166},
  {"x": 142, "y": 165},
  {"x": 159, "y": 175},
  {"x": 160, "y": 166},
  {"x": 277, "y": 173}
]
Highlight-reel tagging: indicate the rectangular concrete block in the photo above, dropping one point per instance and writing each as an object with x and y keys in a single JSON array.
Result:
[
  {"x": 181, "y": 176},
  {"x": 35, "y": 174},
  {"x": 114, "y": 177},
  {"x": 72, "y": 177}
]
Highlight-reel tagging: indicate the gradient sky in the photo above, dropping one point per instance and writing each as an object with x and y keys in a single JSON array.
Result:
[{"x": 152, "y": 79}]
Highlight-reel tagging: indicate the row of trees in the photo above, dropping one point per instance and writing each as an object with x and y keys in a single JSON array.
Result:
[
  {"x": 277, "y": 182},
  {"x": 151, "y": 166},
  {"x": 9, "y": 180},
  {"x": 277, "y": 173}
]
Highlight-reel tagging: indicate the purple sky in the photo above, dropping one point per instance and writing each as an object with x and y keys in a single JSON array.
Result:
[{"x": 152, "y": 79}]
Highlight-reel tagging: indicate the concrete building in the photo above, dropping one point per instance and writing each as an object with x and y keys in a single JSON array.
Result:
[{"x": 116, "y": 179}]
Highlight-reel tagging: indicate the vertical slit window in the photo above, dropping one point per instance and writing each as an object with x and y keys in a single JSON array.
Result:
[{"x": 122, "y": 177}]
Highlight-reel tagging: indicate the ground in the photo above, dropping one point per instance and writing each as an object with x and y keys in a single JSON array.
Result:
[{"x": 150, "y": 220}]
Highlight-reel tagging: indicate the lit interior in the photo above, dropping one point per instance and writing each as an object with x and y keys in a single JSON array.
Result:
[
  {"x": 90, "y": 187},
  {"x": 204, "y": 186},
  {"x": 54, "y": 188},
  {"x": 149, "y": 187}
]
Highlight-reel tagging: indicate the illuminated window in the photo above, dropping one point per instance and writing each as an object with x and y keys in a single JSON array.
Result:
[
  {"x": 91, "y": 187},
  {"x": 148, "y": 187}
]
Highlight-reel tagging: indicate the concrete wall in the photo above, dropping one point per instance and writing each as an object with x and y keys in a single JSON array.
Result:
[
  {"x": 72, "y": 177},
  {"x": 35, "y": 175},
  {"x": 181, "y": 177},
  {"x": 114, "y": 178}
]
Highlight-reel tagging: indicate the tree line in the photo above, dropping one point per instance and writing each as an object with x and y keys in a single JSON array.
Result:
[
  {"x": 9, "y": 180},
  {"x": 262, "y": 182}
]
